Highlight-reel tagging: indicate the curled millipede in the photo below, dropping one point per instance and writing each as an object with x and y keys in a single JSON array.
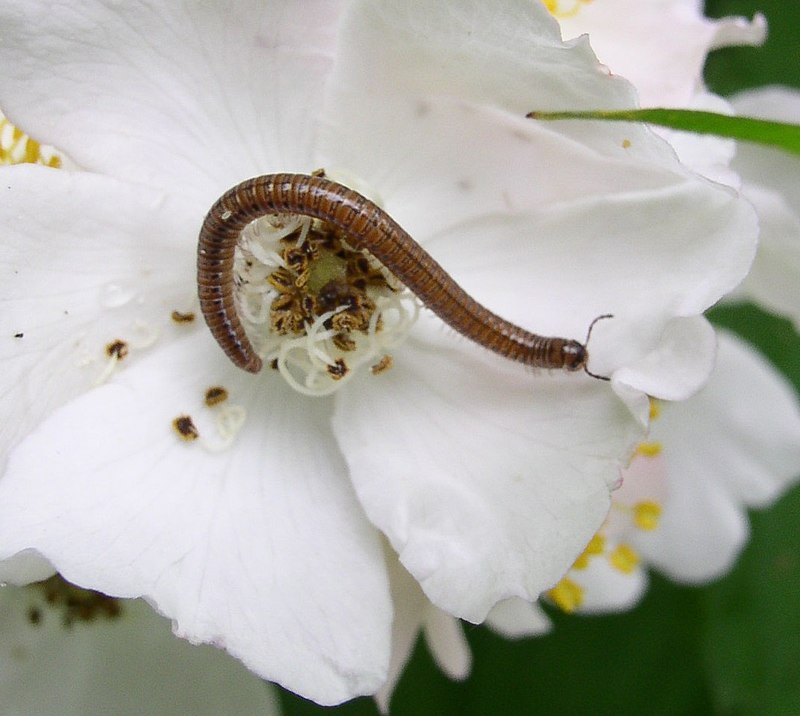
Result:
[{"x": 369, "y": 228}]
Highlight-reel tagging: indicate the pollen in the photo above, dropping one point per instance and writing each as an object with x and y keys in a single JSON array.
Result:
[
  {"x": 185, "y": 427},
  {"x": 649, "y": 449},
  {"x": 182, "y": 317},
  {"x": 215, "y": 396},
  {"x": 567, "y": 595},
  {"x": 624, "y": 558},
  {"x": 655, "y": 409},
  {"x": 562, "y": 9},
  {"x": 596, "y": 546},
  {"x": 646, "y": 515},
  {"x": 117, "y": 349},
  {"x": 16, "y": 147}
]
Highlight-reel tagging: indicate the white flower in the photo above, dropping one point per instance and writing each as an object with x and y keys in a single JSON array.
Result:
[
  {"x": 682, "y": 505},
  {"x": 486, "y": 479},
  {"x": 610, "y": 574},
  {"x": 66, "y": 651},
  {"x": 771, "y": 181},
  {"x": 660, "y": 46}
]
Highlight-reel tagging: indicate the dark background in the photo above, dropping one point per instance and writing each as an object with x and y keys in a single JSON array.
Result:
[{"x": 732, "y": 647}]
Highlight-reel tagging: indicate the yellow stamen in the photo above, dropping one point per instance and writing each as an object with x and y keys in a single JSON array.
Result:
[
  {"x": 561, "y": 10},
  {"x": 596, "y": 546},
  {"x": 624, "y": 558},
  {"x": 655, "y": 409},
  {"x": 16, "y": 147},
  {"x": 646, "y": 515},
  {"x": 567, "y": 595},
  {"x": 649, "y": 449}
]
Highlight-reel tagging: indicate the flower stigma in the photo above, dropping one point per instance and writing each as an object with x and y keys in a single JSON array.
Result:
[{"x": 315, "y": 308}]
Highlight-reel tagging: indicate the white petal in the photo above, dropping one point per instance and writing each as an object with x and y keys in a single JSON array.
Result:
[
  {"x": 705, "y": 153},
  {"x": 733, "y": 445},
  {"x": 774, "y": 281},
  {"x": 260, "y": 549},
  {"x": 410, "y": 606},
  {"x": 195, "y": 96},
  {"x": 772, "y": 182},
  {"x": 533, "y": 219},
  {"x": 126, "y": 666},
  {"x": 679, "y": 365},
  {"x": 660, "y": 45},
  {"x": 772, "y": 168},
  {"x": 607, "y": 589},
  {"x": 488, "y": 481},
  {"x": 516, "y": 619},
  {"x": 449, "y": 648},
  {"x": 103, "y": 261}
]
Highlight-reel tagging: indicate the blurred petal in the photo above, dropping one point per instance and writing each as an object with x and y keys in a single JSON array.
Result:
[
  {"x": 774, "y": 281},
  {"x": 736, "y": 444},
  {"x": 607, "y": 589},
  {"x": 772, "y": 184},
  {"x": 127, "y": 666},
  {"x": 243, "y": 548},
  {"x": 488, "y": 481},
  {"x": 188, "y": 96},
  {"x": 516, "y": 619},
  {"x": 448, "y": 645},
  {"x": 660, "y": 45}
]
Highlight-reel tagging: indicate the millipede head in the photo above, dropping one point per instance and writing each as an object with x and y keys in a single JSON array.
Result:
[{"x": 573, "y": 355}]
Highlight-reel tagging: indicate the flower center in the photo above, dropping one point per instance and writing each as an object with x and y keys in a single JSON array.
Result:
[
  {"x": 16, "y": 147},
  {"x": 315, "y": 308}
]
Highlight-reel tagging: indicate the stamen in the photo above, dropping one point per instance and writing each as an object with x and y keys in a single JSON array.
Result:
[
  {"x": 314, "y": 308},
  {"x": 567, "y": 595},
  {"x": 646, "y": 515},
  {"x": 185, "y": 427},
  {"x": 74, "y": 603},
  {"x": 624, "y": 558},
  {"x": 16, "y": 147},
  {"x": 649, "y": 449}
]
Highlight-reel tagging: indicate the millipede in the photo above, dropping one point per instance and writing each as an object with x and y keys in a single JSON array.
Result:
[{"x": 369, "y": 228}]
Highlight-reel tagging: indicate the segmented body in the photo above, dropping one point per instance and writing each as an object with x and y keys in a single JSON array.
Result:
[{"x": 367, "y": 227}]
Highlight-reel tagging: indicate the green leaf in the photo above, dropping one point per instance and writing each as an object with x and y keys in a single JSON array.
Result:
[
  {"x": 775, "y": 134},
  {"x": 752, "y": 645}
]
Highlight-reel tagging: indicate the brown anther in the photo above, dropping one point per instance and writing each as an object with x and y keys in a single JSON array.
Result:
[
  {"x": 216, "y": 395},
  {"x": 281, "y": 279},
  {"x": 180, "y": 317},
  {"x": 338, "y": 370},
  {"x": 185, "y": 427},
  {"x": 382, "y": 365},
  {"x": 117, "y": 349}
]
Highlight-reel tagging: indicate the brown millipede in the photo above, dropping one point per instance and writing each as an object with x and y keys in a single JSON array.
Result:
[{"x": 369, "y": 228}]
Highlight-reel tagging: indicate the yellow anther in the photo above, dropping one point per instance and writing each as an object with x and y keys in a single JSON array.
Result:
[
  {"x": 646, "y": 515},
  {"x": 567, "y": 595},
  {"x": 655, "y": 409},
  {"x": 649, "y": 449},
  {"x": 596, "y": 546},
  {"x": 562, "y": 9},
  {"x": 16, "y": 147},
  {"x": 624, "y": 558}
]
